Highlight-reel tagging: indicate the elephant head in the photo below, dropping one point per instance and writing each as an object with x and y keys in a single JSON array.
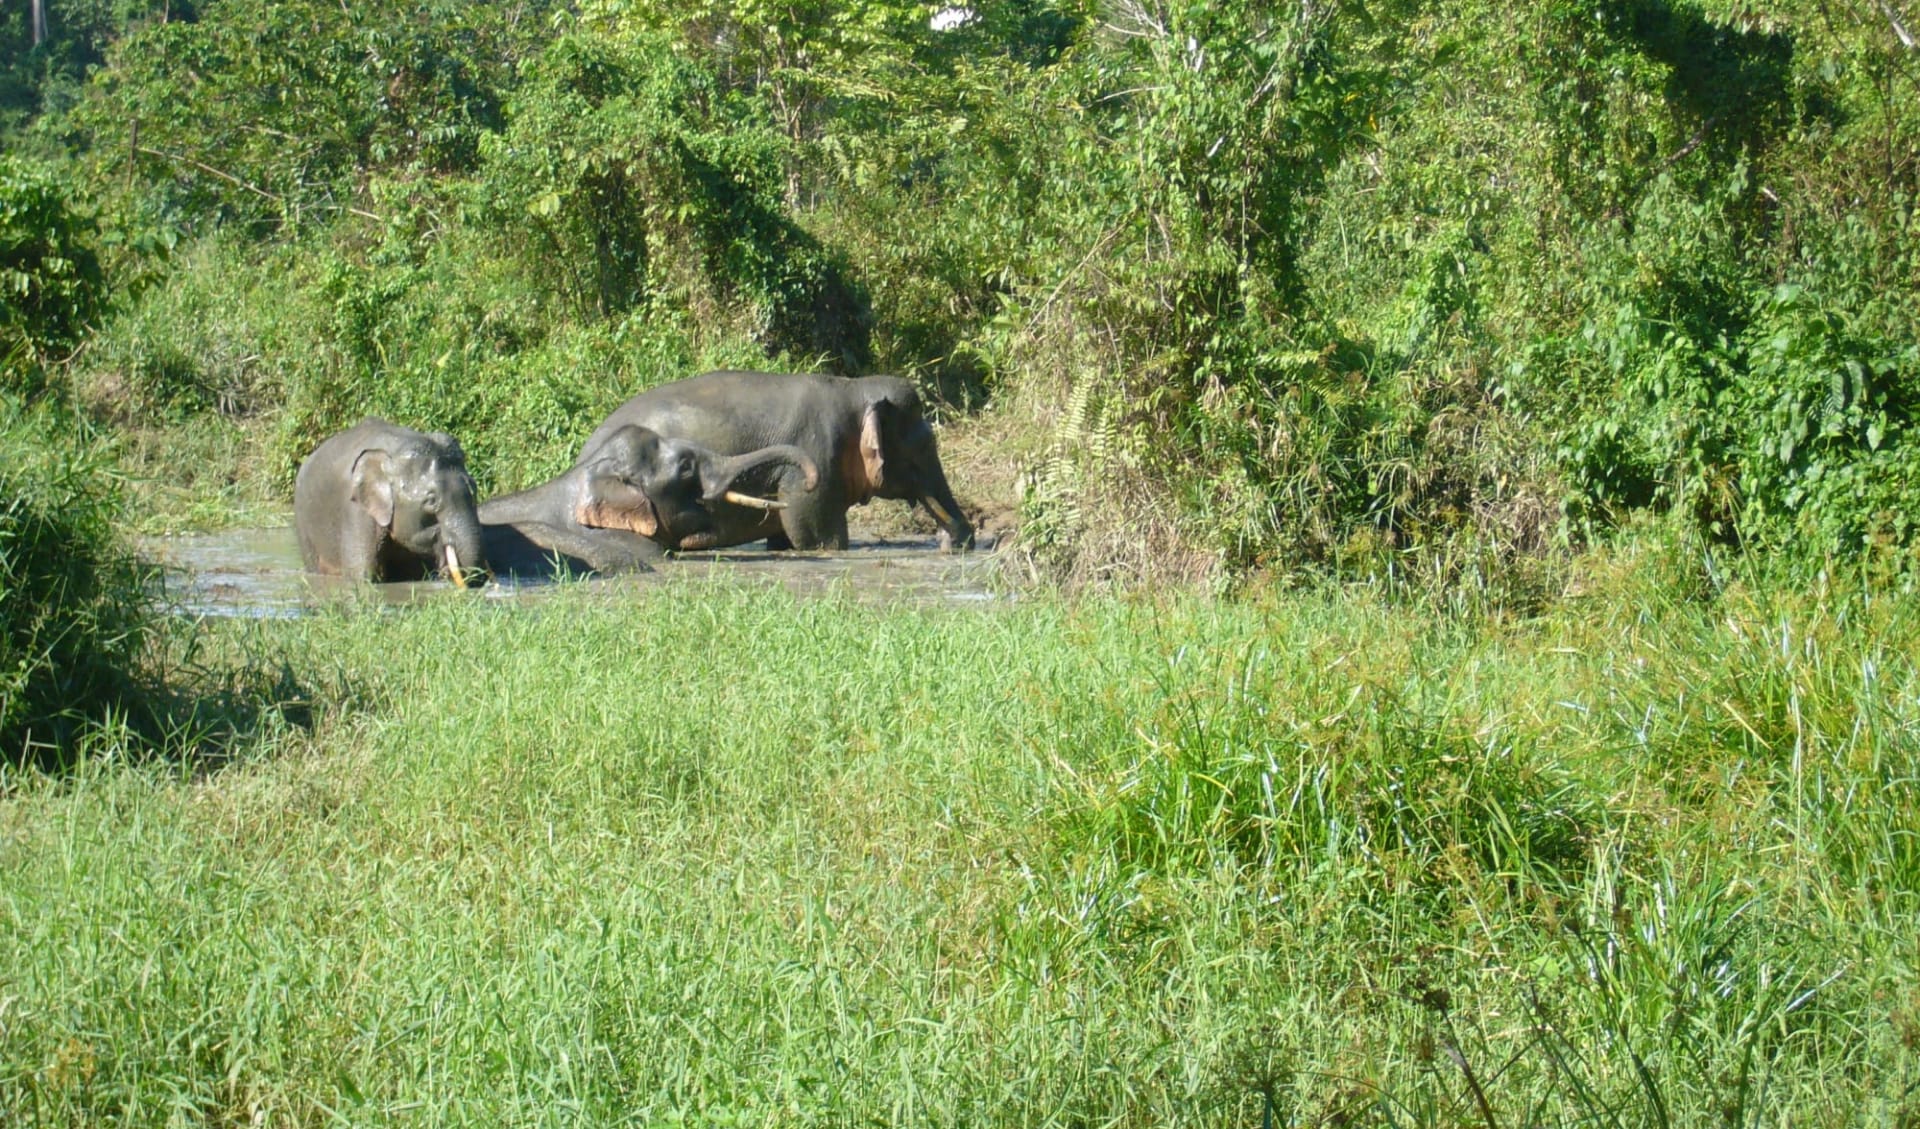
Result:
[
  {"x": 669, "y": 491},
  {"x": 899, "y": 458},
  {"x": 383, "y": 502},
  {"x": 421, "y": 497}
]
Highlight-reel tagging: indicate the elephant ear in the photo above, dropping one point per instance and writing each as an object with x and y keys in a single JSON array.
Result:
[
  {"x": 373, "y": 487},
  {"x": 612, "y": 502},
  {"x": 872, "y": 427}
]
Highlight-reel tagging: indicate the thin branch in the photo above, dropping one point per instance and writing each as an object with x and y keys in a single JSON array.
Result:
[
  {"x": 1068, "y": 277},
  {"x": 1692, "y": 144},
  {"x": 1132, "y": 90},
  {"x": 211, "y": 171},
  {"x": 1145, "y": 26},
  {"x": 1899, "y": 29},
  {"x": 238, "y": 183}
]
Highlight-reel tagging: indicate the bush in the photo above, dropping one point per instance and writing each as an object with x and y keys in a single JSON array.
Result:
[
  {"x": 73, "y": 622},
  {"x": 50, "y": 280},
  {"x": 1827, "y": 415},
  {"x": 621, "y": 158}
]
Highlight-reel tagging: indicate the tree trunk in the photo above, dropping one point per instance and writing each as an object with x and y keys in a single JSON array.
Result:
[{"x": 39, "y": 22}]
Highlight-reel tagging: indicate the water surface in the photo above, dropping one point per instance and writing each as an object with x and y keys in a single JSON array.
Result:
[{"x": 257, "y": 573}]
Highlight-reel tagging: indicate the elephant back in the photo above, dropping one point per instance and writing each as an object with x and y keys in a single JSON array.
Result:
[{"x": 734, "y": 411}]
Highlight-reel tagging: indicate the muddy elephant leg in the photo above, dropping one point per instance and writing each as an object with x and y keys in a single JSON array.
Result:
[
  {"x": 836, "y": 538},
  {"x": 818, "y": 525}
]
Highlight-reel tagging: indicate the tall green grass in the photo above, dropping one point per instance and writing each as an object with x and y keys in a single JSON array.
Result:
[
  {"x": 73, "y": 621},
  {"x": 713, "y": 854},
  {"x": 87, "y": 666}
]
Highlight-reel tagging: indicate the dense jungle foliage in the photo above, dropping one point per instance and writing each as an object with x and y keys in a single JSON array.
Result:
[{"x": 1426, "y": 287}]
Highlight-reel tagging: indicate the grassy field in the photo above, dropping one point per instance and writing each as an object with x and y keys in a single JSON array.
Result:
[{"x": 719, "y": 856}]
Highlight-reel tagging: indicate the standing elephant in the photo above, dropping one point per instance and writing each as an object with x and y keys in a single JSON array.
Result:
[
  {"x": 384, "y": 502},
  {"x": 636, "y": 495},
  {"x": 867, "y": 436}
]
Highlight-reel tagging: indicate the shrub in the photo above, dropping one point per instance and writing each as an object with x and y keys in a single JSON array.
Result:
[
  {"x": 72, "y": 618},
  {"x": 1827, "y": 415},
  {"x": 622, "y": 158},
  {"x": 50, "y": 279}
]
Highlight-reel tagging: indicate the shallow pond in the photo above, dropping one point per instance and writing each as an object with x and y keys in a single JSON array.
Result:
[{"x": 257, "y": 573}]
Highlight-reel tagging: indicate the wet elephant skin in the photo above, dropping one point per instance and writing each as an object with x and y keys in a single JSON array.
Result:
[{"x": 868, "y": 436}]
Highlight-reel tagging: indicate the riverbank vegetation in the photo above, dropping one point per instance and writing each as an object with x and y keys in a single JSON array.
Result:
[
  {"x": 1520, "y": 400},
  {"x": 1205, "y": 288}
]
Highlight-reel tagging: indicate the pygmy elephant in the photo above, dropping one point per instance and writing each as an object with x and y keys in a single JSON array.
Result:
[
  {"x": 867, "y": 436},
  {"x": 637, "y": 494},
  {"x": 384, "y": 502}
]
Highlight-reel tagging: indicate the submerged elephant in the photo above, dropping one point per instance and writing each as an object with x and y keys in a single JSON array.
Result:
[
  {"x": 867, "y": 436},
  {"x": 384, "y": 502},
  {"x": 636, "y": 495}
]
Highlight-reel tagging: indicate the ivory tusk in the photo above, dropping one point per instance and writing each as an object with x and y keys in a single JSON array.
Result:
[
  {"x": 749, "y": 500},
  {"x": 454, "y": 572},
  {"x": 939, "y": 512}
]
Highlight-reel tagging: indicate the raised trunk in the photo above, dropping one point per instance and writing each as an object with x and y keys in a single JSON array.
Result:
[{"x": 738, "y": 473}]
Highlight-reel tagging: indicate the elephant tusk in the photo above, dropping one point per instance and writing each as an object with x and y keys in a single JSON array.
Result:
[
  {"x": 749, "y": 500},
  {"x": 939, "y": 512},
  {"x": 454, "y": 572}
]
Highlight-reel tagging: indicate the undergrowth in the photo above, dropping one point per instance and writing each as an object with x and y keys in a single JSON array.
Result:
[
  {"x": 712, "y": 853},
  {"x": 73, "y": 621}
]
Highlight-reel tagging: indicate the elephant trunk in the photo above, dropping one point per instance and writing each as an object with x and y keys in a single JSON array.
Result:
[
  {"x": 953, "y": 521},
  {"x": 512, "y": 509},
  {"x": 463, "y": 554},
  {"x": 927, "y": 484},
  {"x": 726, "y": 474}
]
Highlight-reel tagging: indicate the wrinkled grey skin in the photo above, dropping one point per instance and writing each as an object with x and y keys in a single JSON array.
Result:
[
  {"x": 636, "y": 495},
  {"x": 531, "y": 549},
  {"x": 384, "y": 502},
  {"x": 867, "y": 436}
]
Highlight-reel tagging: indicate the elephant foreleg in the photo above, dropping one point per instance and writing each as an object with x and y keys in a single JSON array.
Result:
[{"x": 816, "y": 527}]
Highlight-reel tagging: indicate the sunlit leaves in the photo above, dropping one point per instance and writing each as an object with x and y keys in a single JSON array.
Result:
[{"x": 51, "y": 286}]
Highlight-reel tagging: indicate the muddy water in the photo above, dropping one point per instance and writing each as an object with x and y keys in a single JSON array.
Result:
[{"x": 257, "y": 573}]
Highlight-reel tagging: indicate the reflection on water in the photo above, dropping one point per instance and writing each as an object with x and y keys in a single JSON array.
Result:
[{"x": 257, "y": 573}]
